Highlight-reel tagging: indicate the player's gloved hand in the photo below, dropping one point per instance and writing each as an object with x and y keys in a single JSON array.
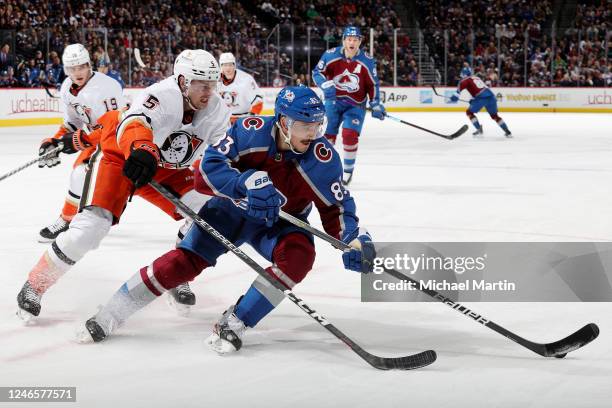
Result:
[
  {"x": 454, "y": 98},
  {"x": 66, "y": 143},
  {"x": 263, "y": 200},
  {"x": 141, "y": 165},
  {"x": 378, "y": 110},
  {"x": 361, "y": 257},
  {"x": 329, "y": 90},
  {"x": 49, "y": 160}
]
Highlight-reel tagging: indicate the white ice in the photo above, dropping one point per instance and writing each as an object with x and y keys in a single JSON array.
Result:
[{"x": 552, "y": 182}]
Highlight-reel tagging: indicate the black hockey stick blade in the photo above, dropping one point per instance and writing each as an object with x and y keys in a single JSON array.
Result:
[
  {"x": 572, "y": 342},
  {"x": 458, "y": 133},
  {"x": 452, "y": 136},
  {"x": 411, "y": 362}
]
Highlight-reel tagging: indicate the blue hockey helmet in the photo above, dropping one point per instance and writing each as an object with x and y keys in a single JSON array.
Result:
[
  {"x": 351, "y": 31},
  {"x": 299, "y": 103}
]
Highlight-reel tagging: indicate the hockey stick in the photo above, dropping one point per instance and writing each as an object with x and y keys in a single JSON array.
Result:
[
  {"x": 48, "y": 88},
  {"x": 446, "y": 97},
  {"x": 252, "y": 71},
  {"x": 138, "y": 59},
  {"x": 383, "y": 363},
  {"x": 31, "y": 162},
  {"x": 452, "y": 136},
  {"x": 557, "y": 349}
]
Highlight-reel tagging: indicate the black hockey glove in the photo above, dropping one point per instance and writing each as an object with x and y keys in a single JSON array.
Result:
[{"x": 141, "y": 165}]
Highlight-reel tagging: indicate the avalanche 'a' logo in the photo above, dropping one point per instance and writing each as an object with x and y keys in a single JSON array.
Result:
[
  {"x": 322, "y": 152},
  {"x": 347, "y": 81},
  {"x": 178, "y": 149},
  {"x": 229, "y": 98},
  {"x": 252, "y": 122}
]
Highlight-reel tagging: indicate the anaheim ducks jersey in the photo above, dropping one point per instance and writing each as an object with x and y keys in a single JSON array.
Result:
[
  {"x": 180, "y": 136},
  {"x": 83, "y": 106},
  {"x": 241, "y": 95}
]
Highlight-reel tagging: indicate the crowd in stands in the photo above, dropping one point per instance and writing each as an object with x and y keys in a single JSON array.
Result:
[{"x": 504, "y": 41}]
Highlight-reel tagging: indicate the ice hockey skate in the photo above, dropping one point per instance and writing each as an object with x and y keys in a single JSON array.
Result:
[
  {"x": 49, "y": 233},
  {"x": 227, "y": 333}
]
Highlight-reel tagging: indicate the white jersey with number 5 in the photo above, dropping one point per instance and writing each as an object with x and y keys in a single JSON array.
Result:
[
  {"x": 83, "y": 106},
  {"x": 181, "y": 136},
  {"x": 242, "y": 94}
]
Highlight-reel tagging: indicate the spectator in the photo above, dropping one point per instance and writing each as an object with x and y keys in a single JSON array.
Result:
[{"x": 6, "y": 60}]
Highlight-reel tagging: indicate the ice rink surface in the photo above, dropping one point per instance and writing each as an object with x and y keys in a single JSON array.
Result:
[{"x": 552, "y": 182}]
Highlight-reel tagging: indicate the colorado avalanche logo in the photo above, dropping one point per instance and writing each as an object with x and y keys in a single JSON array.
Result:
[
  {"x": 289, "y": 95},
  {"x": 178, "y": 149},
  {"x": 347, "y": 81},
  {"x": 229, "y": 98},
  {"x": 322, "y": 153},
  {"x": 252, "y": 122}
]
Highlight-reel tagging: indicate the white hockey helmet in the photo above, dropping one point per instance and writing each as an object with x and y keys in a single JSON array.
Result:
[
  {"x": 75, "y": 54},
  {"x": 227, "y": 58},
  {"x": 196, "y": 65}
]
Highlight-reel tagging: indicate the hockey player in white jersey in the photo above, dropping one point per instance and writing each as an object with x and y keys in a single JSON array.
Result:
[
  {"x": 86, "y": 95},
  {"x": 238, "y": 89},
  {"x": 165, "y": 130}
]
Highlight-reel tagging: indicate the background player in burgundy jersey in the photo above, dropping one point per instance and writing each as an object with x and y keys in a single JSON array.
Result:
[
  {"x": 347, "y": 77},
  {"x": 482, "y": 97}
]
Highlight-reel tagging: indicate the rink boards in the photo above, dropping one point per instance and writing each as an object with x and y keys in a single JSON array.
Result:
[{"x": 26, "y": 106}]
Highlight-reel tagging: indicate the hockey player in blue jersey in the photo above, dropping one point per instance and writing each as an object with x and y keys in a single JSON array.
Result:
[
  {"x": 263, "y": 164},
  {"x": 482, "y": 97},
  {"x": 347, "y": 76}
]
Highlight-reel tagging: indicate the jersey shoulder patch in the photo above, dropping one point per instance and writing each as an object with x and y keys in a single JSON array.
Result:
[
  {"x": 252, "y": 132},
  {"x": 322, "y": 158}
]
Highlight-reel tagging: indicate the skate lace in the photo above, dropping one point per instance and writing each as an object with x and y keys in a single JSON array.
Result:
[
  {"x": 30, "y": 295},
  {"x": 236, "y": 325},
  {"x": 58, "y": 225},
  {"x": 183, "y": 289}
]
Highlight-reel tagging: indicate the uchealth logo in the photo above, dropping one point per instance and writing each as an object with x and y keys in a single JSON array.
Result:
[
  {"x": 29, "y": 104},
  {"x": 601, "y": 99}
]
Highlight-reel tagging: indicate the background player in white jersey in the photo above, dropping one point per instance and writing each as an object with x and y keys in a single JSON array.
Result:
[
  {"x": 165, "y": 130},
  {"x": 86, "y": 96},
  {"x": 238, "y": 89}
]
